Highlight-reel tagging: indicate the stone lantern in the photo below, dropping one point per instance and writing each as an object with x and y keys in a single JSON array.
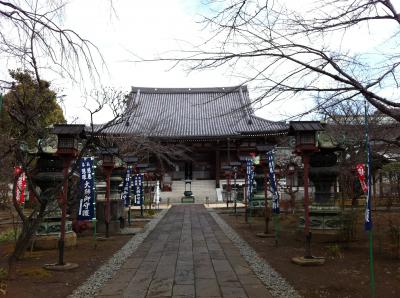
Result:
[
  {"x": 326, "y": 218},
  {"x": 49, "y": 174},
  {"x": 48, "y": 177},
  {"x": 305, "y": 133},
  {"x": 67, "y": 149}
]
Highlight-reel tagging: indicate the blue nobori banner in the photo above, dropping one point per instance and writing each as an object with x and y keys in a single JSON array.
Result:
[
  {"x": 126, "y": 189},
  {"x": 138, "y": 189},
  {"x": 272, "y": 180},
  {"x": 250, "y": 179},
  {"x": 368, "y": 213},
  {"x": 87, "y": 194}
]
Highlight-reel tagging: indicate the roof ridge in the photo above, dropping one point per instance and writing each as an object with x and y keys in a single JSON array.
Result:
[{"x": 228, "y": 89}]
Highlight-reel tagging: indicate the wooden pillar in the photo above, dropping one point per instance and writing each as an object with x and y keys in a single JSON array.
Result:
[
  {"x": 217, "y": 165},
  {"x": 228, "y": 150}
]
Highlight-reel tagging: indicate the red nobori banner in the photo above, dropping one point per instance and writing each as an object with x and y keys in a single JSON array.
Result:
[
  {"x": 361, "y": 175},
  {"x": 21, "y": 185}
]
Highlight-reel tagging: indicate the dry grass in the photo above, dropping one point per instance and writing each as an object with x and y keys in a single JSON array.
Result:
[{"x": 34, "y": 272}]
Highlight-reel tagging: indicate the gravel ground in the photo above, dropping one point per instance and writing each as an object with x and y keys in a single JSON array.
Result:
[
  {"x": 274, "y": 282},
  {"x": 92, "y": 285}
]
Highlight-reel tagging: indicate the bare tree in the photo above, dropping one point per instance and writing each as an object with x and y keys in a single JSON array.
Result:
[
  {"x": 32, "y": 36},
  {"x": 346, "y": 128},
  {"x": 287, "y": 52},
  {"x": 98, "y": 138},
  {"x": 31, "y": 218}
]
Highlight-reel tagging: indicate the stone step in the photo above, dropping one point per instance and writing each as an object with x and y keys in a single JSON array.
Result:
[
  {"x": 200, "y": 197},
  {"x": 200, "y": 189}
]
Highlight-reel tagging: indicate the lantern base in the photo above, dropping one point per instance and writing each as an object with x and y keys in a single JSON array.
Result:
[
  {"x": 264, "y": 235},
  {"x": 57, "y": 267},
  {"x": 312, "y": 261},
  {"x": 324, "y": 219}
]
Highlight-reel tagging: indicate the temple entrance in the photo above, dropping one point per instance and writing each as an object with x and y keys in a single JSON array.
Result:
[
  {"x": 188, "y": 170},
  {"x": 200, "y": 167}
]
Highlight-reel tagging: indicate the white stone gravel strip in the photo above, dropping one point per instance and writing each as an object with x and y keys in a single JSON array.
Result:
[
  {"x": 274, "y": 282},
  {"x": 93, "y": 284}
]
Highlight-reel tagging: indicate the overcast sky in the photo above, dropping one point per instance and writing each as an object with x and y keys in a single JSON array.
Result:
[
  {"x": 129, "y": 30},
  {"x": 142, "y": 29}
]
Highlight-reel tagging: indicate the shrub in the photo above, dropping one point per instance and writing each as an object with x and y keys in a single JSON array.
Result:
[
  {"x": 334, "y": 251},
  {"x": 9, "y": 235},
  {"x": 3, "y": 273},
  {"x": 150, "y": 212}
]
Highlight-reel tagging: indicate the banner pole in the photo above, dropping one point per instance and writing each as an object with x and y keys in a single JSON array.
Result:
[
  {"x": 275, "y": 195},
  {"x": 368, "y": 217},
  {"x": 371, "y": 264},
  {"x": 94, "y": 220},
  {"x": 251, "y": 191}
]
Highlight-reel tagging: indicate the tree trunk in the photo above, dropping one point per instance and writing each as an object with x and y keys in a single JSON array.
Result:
[
  {"x": 29, "y": 227},
  {"x": 20, "y": 247}
]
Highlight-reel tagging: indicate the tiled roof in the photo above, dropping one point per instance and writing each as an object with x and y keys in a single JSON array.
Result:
[
  {"x": 305, "y": 126},
  {"x": 68, "y": 129},
  {"x": 193, "y": 112}
]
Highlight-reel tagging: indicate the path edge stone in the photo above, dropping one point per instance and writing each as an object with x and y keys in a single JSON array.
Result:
[
  {"x": 107, "y": 271},
  {"x": 273, "y": 281}
]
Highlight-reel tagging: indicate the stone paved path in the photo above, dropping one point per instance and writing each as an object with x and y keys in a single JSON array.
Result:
[{"x": 186, "y": 255}]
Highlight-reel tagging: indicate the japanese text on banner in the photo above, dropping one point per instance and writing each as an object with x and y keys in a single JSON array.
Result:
[
  {"x": 86, "y": 202},
  {"x": 125, "y": 196},
  {"x": 272, "y": 180},
  {"x": 250, "y": 178},
  {"x": 138, "y": 189}
]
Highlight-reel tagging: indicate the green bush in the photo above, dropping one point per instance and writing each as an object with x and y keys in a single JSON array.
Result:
[
  {"x": 334, "y": 251},
  {"x": 9, "y": 235},
  {"x": 3, "y": 273},
  {"x": 150, "y": 212}
]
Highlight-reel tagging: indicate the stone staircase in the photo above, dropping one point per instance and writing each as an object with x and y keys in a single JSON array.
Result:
[{"x": 200, "y": 188}]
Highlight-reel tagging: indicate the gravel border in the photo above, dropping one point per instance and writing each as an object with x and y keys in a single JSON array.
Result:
[
  {"x": 274, "y": 282},
  {"x": 106, "y": 272}
]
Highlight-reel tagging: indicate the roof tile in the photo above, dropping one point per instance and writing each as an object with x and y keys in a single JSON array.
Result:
[{"x": 193, "y": 112}]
